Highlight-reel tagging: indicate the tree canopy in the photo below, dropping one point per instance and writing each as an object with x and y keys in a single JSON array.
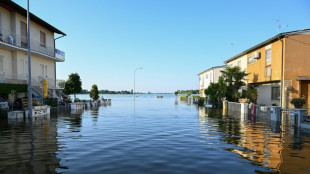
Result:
[
  {"x": 73, "y": 85},
  {"x": 234, "y": 79},
  {"x": 94, "y": 93}
]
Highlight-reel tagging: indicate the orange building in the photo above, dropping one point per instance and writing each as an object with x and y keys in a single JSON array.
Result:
[{"x": 279, "y": 68}]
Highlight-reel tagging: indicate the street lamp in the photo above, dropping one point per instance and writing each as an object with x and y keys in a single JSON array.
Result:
[
  {"x": 29, "y": 63},
  {"x": 134, "y": 83}
]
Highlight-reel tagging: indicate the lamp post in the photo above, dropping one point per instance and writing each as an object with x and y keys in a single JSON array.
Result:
[
  {"x": 134, "y": 83},
  {"x": 29, "y": 63}
]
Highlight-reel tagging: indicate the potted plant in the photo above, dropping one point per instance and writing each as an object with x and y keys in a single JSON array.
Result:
[
  {"x": 244, "y": 100},
  {"x": 298, "y": 102}
]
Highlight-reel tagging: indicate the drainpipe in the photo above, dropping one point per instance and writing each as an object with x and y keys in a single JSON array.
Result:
[{"x": 281, "y": 86}]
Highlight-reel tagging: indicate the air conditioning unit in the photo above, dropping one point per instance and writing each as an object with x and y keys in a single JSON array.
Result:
[{"x": 256, "y": 55}]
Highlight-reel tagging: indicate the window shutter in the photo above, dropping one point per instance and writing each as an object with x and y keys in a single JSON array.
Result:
[{"x": 1, "y": 64}]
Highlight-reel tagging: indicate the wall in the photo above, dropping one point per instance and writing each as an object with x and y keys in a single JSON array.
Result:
[
  {"x": 35, "y": 66},
  {"x": 265, "y": 94},
  {"x": 205, "y": 82},
  {"x": 217, "y": 74},
  {"x": 6, "y": 19},
  {"x": 243, "y": 60},
  {"x": 257, "y": 69},
  {"x": 297, "y": 62},
  {"x": 7, "y": 61},
  {"x": 35, "y": 31}
]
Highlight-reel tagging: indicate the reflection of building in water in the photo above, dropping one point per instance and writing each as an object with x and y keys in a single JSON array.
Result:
[
  {"x": 20, "y": 154},
  {"x": 278, "y": 146}
]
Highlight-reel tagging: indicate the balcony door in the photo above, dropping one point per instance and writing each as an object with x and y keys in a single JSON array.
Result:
[
  {"x": 43, "y": 70},
  {"x": 23, "y": 34}
]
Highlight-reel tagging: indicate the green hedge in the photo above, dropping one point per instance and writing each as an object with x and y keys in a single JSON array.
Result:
[
  {"x": 53, "y": 102},
  {"x": 7, "y": 88}
]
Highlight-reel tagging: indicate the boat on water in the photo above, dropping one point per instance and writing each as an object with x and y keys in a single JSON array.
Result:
[{"x": 160, "y": 96}]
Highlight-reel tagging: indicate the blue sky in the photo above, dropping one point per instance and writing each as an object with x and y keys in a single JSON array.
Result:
[{"x": 173, "y": 40}]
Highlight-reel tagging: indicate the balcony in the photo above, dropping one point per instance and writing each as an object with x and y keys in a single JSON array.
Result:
[
  {"x": 13, "y": 78},
  {"x": 13, "y": 41}
]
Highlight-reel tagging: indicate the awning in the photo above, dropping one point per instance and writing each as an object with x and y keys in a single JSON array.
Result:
[{"x": 303, "y": 78}]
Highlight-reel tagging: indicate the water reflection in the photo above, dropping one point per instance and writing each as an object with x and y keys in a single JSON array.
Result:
[
  {"x": 275, "y": 145},
  {"x": 26, "y": 149}
]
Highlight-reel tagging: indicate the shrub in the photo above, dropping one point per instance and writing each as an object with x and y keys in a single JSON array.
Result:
[
  {"x": 201, "y": 101},
  {"x": 298, "y": 102},
  {"x": 183, "y": 98},
  {"x": 53, "y": 102}
]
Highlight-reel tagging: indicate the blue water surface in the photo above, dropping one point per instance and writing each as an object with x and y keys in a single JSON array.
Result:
[{"x": 151, "y": 135}]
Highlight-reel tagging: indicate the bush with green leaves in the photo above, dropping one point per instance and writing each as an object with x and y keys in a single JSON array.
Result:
[
  {"x": 183, "y": 98},
  {"x": 94, "y": 93},
  {"x": 73, "y": 85},
  {"x": 53, "y": 102},
  {"x": 201, "y": 101}
]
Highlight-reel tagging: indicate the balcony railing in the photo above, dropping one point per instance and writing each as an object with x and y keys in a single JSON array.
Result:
[
  {"x": 12, "y": 38},
  {"x": 13, "y": 78},
  {"x": 23, "y": 79}
]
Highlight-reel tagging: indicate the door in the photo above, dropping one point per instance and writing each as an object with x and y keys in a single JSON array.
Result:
[
  {"x": 305, "y": 91},
  {"x": 23, "y": 33}
]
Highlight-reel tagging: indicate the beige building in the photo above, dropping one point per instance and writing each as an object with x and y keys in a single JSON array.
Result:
[
  {"x": 207, "y": 77},
  {"x": 240, "y": 61},
  {"x": 13, "y": 49}
]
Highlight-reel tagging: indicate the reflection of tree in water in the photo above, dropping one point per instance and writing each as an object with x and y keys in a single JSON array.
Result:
[
  {"x": 94, "y": 113},
  {"x": 75, "y": 121}
]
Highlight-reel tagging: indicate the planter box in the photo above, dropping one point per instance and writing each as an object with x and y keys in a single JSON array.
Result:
[
  {"x": 39, "y": 111},
  {"x": 264, "y": 108},
  {"x": 77, "y": 105}
]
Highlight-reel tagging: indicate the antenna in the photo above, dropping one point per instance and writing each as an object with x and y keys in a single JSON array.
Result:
[{"x": 279, "y": 26}]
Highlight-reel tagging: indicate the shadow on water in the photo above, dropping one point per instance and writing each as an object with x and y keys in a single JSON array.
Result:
[{"x": 272, "y": 144}]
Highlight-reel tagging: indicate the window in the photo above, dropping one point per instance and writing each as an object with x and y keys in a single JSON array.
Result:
[
  {"x": 1, "y": 64},
  {"x": 231, "y": 65},
  {"x": 1, "y": 25},
  {"x": 43, "y": 70},
  {"x": 251, "y": 59},
  {"x": 268, "y": 71},
  {"x": 268, "y": 57},
  {"x": 42, "y": 39},
  {"x": 239, "y": 63},
  {"x": 275, "y": 93},
  {"x": 23, "y": 33},
  {"x": 207, "y": 76}
]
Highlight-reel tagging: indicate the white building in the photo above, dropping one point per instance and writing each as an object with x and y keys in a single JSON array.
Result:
[
  {"x": 13, "y": 48},
  {"x": 207, "y": 77}
]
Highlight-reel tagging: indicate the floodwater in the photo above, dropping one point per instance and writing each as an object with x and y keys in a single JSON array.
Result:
[{"x": 152, "y": 135}]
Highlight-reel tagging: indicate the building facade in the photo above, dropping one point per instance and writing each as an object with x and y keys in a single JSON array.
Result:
[
  {"x": 279, "y": 68},
  {"x": 207, "y": 77},
  {"x": 13, "y": 48}
]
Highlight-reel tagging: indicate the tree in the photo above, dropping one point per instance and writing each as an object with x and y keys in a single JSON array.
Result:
[
  {"x": 94, "y": 93},
  {"x": 213, "y": 93},
  {"x": 176, "y": 93},
  {"x": 234, "y": 79},
  {"x": 73, "y": 85}
]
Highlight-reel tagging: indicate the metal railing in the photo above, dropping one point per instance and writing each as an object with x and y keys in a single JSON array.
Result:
[
  {"x": 35, "y": 45},
  {"x": 13, "y": 78}
]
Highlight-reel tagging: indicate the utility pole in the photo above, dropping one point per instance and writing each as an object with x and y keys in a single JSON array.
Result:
[{"x": 29, "y": 63}]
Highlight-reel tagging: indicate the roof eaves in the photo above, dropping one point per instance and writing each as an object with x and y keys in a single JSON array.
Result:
[
  {"x": 266, "y": 42},
  {"x": 33, "y": 17}
]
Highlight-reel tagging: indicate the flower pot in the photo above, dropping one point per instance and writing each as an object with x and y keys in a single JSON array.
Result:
[{"x": 298, "y": 105}]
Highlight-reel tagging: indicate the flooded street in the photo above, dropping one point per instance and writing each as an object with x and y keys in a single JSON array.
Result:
[{"x": 152, "y": 135}]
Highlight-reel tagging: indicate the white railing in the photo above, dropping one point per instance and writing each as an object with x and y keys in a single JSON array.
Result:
[
  {"x": 13, "y": 78},
  {"x": 35, "y": 45}
]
